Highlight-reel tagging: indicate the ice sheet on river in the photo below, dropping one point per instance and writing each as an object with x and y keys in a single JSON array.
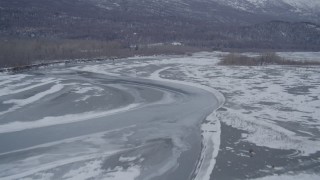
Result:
[{"x": 82, "y": 124}]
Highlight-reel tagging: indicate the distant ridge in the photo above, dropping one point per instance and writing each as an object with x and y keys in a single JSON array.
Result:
[{"x": 285, "y": 24}]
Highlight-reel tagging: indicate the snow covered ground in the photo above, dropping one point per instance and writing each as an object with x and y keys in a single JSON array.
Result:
[{"x": 268, "y": 127}]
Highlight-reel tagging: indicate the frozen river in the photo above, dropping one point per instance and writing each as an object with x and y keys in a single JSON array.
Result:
[
  {"x": 161, "y": 118},
  {"x": 75, "y": 124}
]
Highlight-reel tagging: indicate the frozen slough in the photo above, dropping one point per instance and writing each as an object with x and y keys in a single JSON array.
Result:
[{"x": 127, "y": 128}]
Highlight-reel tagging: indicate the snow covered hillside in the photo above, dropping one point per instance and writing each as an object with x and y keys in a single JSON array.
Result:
[
  {"x": 215, "y": 24},
  {"x": 281, "y": 7}
]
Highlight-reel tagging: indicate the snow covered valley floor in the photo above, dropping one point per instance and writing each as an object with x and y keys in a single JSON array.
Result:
[{"x": 267, "y": 128}]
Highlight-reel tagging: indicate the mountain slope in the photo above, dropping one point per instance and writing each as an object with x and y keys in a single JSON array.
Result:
[
  {"x": 216, "y": 23},
  {"x": 305, "y": 10}
]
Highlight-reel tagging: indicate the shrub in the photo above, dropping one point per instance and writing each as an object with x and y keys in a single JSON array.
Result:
[
  {"x": 261, "y": 60},
  {"x": 23, "y": 52}
]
